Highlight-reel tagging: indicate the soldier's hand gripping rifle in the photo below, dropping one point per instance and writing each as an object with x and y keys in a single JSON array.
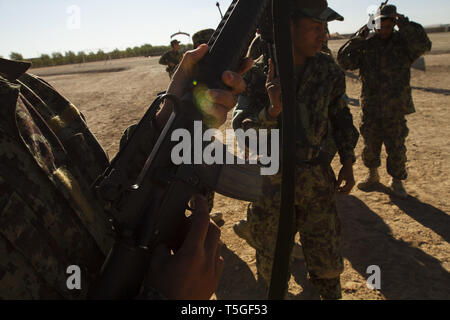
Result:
[{"x": 151, "y": 210}]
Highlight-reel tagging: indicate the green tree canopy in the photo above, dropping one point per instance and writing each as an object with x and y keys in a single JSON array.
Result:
[{"x": 15, "y": 56}]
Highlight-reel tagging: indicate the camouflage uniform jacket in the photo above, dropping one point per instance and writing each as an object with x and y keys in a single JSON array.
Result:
[
  {"x": 171, "y": 57},
  {"x": 49, "y": 216},
  {"x": 320, "y": 101},
  {"x": 385, "y": 69}
]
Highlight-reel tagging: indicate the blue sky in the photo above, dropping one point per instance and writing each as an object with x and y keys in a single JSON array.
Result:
[{"x": 33, "y": 27}]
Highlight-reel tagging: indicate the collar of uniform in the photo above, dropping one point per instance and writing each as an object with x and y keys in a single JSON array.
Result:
[{"x": 12, "y": 70}]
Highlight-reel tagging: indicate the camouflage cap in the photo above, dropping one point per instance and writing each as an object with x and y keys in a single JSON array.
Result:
[
  {"x": 315, "y": 9},
  {"x": 174, "y": 42},
  {"x": 202, "y": 36},
  {"x": 386, "y": 11}
]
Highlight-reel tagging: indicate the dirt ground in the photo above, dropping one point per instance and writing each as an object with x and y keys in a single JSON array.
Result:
[{"x": 408, "y": 239}]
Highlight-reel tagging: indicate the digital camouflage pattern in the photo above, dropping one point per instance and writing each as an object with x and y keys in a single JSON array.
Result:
[
  {"x": 171, "y": 57},
  {"x": 49, "y": 219},
  {"x": 391, "y": 132},
  {"x": 49, "y": 216},
  {"x": 386, "y": 98},
  {"x": 316, "y": 221},
  {"x": 320, "y": 104},
  {"x": 202, "y": 36}
]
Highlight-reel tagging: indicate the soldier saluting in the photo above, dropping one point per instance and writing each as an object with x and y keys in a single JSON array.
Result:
[{"x": 384, "y": 60}]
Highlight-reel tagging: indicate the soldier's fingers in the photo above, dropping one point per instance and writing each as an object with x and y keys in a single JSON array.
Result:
[
  {"x": 191, "y": 57},
  {"x": 212, "y": 241},
  {"x": 234, "y": 81},
  {"x": 222, "y": 97},
  {"x": 200, "y": 225}
]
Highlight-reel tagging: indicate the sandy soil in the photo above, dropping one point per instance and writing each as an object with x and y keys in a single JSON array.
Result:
[{"x": 408, "y": 239}]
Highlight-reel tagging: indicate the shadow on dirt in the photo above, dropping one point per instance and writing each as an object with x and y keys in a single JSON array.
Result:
[
  {"x": 241, "y": 287},
  {"x": 407, "y": 272},
  {"x": 78, "y": 71},
  {"x": 445, "y": 92}
]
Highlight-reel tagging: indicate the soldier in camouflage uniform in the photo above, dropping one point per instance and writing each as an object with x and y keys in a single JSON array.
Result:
[
  {"x": 49, "y": 217},
  {"x": 172, "y": 58},
  {"x": 320, "y": 101},
  {"x": 384, "y": 59}
]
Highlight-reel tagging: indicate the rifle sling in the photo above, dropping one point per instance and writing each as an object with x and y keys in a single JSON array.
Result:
[{"x": 283, "y": 42}]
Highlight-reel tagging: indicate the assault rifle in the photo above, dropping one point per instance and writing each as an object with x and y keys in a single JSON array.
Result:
[{"x": 151, "y": 209}]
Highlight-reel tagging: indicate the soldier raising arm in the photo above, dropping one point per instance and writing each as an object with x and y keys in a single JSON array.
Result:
[
  {"x": 415, "y": 41},
  {"x": 319, "y": 101},
  {"x": 384, "y": 60}
]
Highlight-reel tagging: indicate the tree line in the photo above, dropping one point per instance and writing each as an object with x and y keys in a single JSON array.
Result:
[{"x": 70, "y": 57}]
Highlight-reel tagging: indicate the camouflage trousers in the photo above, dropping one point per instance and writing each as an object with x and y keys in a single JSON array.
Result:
[
  {"x": 391, "y": 132},
  {"x": 316, "y": 220}
]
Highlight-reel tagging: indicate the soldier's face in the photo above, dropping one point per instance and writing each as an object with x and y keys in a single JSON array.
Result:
[
  {"x": 176, "y": 47},
  {"x": 308, "y": 36},
  {"x": 387, "y": 27}
]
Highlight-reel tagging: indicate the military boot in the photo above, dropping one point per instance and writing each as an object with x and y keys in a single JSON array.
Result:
[
  {"x": 398, "y": 189},
  {"x": 243, "y": 231},
  {"x": 372, "y": 179}
]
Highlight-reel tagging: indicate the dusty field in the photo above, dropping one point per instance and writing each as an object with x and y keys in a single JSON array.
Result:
[{"x": 408, "y": 239}]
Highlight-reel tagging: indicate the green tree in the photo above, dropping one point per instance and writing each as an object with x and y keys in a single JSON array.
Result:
[
  {"x": 145, "y": 50},
  {"x": 81, "y": 57},
  {"x": 46, "y": 60},
  {"x": 91, "y": 57},
  {"x": 129, "y": 52},
  {"x": 116, "y": 54},
  {"x": 15, "y": 56},
  {"x": 57, "y": 58},
  {"x": 101, "y": 55},
  {"x": 70, "y": 57}
]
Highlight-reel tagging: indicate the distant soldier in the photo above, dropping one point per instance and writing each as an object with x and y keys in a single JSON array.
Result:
[
  {"x": 384, "y": 59},
  {"x": 172, "y": 58}
]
